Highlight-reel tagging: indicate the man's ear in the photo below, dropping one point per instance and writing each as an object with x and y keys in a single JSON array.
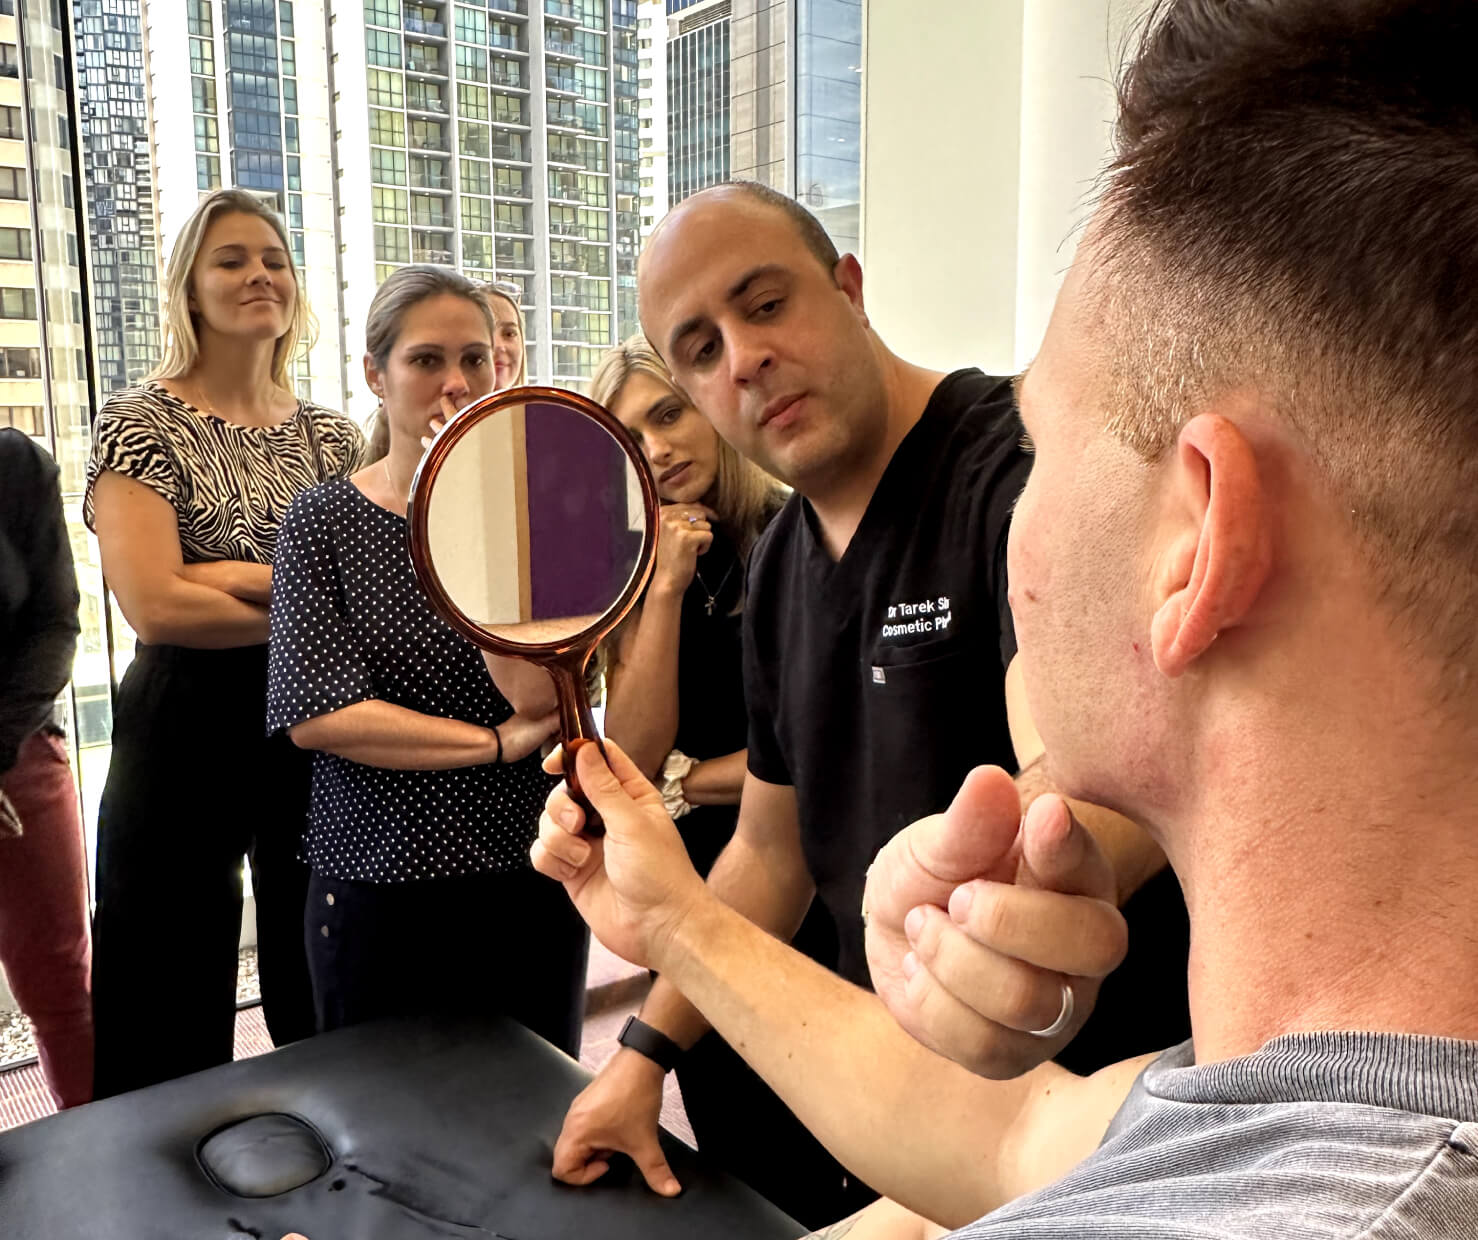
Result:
[
  {"x": 847, "y": 275},
  {"x": 1220, "y": 560}
]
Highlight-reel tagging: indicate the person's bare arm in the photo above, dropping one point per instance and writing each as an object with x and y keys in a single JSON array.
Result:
[
  {"x": 922, "y": 1130},
  {"x": 526, "y": 686},
  {"x": 762, "y": 873},
  {"x": 717, "y": 781},
  {"x": 139, "y": 538},
  {"x": 883, "y": 1220},
  {"x": 251, "y": 583},
  {"x": 378, "y": 733},
  {"x": 641, "y": 683},
  {"x": 1134, "y": 856}
]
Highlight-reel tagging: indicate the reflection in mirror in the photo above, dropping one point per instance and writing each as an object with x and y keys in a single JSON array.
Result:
[{"x": 535, "y": 523}]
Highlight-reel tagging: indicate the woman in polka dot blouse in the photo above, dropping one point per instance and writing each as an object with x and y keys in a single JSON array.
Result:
[{"x": 426, "y": 781}]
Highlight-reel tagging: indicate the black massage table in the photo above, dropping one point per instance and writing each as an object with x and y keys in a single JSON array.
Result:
[{"x": 388, "y": 1131}]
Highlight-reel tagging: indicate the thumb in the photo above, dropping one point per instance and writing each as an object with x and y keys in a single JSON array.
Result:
[
  {"x": 655, "y": 1170},
  {"x": 1059, "y": 854},
  {"x": 611, "y": 782},
  {"x": 926, "y": 861}
]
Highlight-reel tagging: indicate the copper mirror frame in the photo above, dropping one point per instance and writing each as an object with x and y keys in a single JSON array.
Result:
[{"x": 566, "y": 658}]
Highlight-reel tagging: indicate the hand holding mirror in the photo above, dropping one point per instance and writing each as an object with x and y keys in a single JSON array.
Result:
[{"x": 533, "y": 531}]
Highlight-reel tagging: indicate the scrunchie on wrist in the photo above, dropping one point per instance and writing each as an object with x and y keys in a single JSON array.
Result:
[{"x": 675, "y": 768}]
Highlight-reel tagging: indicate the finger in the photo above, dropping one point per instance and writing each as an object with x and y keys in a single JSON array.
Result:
[
  {"x": 926, "y": 861},
  {"x": 573, "y": 850},
  {"x": 655, "y": 1170},
  {"x": 448, "y": 406},
  {"x": 562, "y": 809},
  {"x": 616, "y": 776},
  {"x": 705, "y": 541},
  {"x": 938, "y": 1019},
  {"x": 1059, "y": 853},
  {"x": 578, "y": 1163},
  {"x": 1069, "y": 934},
  {"x": 554, "y": 761},
  {"x": 1000, "y": 988}
]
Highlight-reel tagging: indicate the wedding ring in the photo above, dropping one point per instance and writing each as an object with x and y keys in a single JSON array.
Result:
[
  {"x": 692, "y": 520},
  {"x": 1063, "y": 1017}
]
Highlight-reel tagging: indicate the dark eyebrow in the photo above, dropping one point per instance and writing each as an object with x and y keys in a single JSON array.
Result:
[
  {"x": 658, "y": 403},
  {"x": 740, "y": 287}
]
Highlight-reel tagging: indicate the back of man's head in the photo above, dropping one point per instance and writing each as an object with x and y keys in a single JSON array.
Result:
[{"x": 1293, "y": 209}]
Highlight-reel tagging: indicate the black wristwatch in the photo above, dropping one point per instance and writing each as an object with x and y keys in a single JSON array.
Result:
[{"x": 652, "y": 1043}]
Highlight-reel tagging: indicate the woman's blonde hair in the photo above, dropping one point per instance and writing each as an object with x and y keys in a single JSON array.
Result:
[
  {"x": 503, "y": 292},
  {"x": 745, "y": 497},
  {"x": 181, "y": 342},
  {"x": 403, "y": 288}
]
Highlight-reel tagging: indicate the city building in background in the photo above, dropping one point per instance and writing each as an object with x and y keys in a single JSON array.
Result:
[
  {"x": 698, "y": 96},
  {"x": 761, "y": 90},
  {"x": 238, "y": 93},
  {"x": 501, "y": 140},
  {"x": 119, "y": 190},
  {"x": 44, "y": 373},
  {"x": 651, "y": 106}
]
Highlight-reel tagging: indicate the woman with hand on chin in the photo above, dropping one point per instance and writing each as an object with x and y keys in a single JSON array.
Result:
[
  {"x": 675, "y": 704},
  {"x": 426, "y": 781},
  {"x": 191, "y": 473},
  {"x": 674, "y": 680}
]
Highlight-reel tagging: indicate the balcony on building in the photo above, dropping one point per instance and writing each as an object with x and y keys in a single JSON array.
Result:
[
  {"x": 508, "y": 40},
  {"x": 561, "y": 11},
  {"x": 507, "y": 73},
  {"x": 430, "y": 175},
  {"x": 558, "y": 78},
  {"x": 566, "y": 49},
  {"x": 424, "y": 22},
  {"x": 518, "y": 8},
  {"x": 432, "y": 247},
  {"x": 429, "y": 213},
  {"x": 428, "y": 136},
  {"x": 424, "y": 58},
  {"x": 425, "y": 97}
]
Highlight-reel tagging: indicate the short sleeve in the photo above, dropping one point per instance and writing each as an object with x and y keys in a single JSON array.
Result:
[
  {"x": 764, "y": 760},
  {"x": 996, "y": 484},
  {"x": 342, "y": 444},
  {"x": 315, "y": 664},
  {"x": 129, "y": 440}
]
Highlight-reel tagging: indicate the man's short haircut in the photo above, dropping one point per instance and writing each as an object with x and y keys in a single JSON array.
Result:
[
  {"x": 807, "y": 226},
  {"x": 1292, "y": 211}
]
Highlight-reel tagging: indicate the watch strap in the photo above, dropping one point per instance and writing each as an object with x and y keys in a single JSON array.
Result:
[{"x": 653, "y": 1043}]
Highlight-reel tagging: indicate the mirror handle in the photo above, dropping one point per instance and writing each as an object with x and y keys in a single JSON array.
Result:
[{"x": 576, "y": 728}]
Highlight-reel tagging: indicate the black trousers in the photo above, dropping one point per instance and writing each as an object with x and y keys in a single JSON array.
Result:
[
  {"x": 193, "y": 788},
  {"x": 499, "y": 944}
]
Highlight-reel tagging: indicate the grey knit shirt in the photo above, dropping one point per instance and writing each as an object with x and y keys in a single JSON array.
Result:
[{"x": 1313, "y": 1137}]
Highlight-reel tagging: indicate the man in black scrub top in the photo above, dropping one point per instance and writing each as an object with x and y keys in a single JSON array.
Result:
[{"x": 877, "y": 642}]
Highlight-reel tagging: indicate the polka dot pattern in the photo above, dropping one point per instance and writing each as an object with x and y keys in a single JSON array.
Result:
[{"x": 350, "y": 624}]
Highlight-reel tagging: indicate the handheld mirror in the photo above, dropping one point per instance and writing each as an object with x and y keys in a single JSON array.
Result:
[{"x": 533, "y": 528}]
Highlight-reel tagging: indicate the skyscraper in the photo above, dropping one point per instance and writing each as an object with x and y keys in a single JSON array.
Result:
[
  {"x": 43, "y": 317},
  {"x": 698, "y": 137},
  {"x": 502, "y": 141},
  {"x": 239, "y": 95},
  {"x": 763, "y": 90},
  {"x": 118, "y": 190}
]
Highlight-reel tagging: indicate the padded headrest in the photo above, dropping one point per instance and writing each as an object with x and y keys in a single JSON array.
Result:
[{"x": 264, "y": 1155}]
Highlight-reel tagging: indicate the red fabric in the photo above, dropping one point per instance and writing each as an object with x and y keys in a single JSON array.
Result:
[{"x": 45, "y": 944}]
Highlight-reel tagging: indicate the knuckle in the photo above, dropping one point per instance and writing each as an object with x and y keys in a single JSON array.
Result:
[
  {"x": 1029, "y": 1001},
  {"x": 993, "y": 919}
]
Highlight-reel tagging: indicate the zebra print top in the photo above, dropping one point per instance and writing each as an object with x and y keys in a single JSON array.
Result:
[{"x": 229, "y": 484}]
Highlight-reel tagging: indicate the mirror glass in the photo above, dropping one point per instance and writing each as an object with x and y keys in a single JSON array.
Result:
[{"x": 535, "y": 523}]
